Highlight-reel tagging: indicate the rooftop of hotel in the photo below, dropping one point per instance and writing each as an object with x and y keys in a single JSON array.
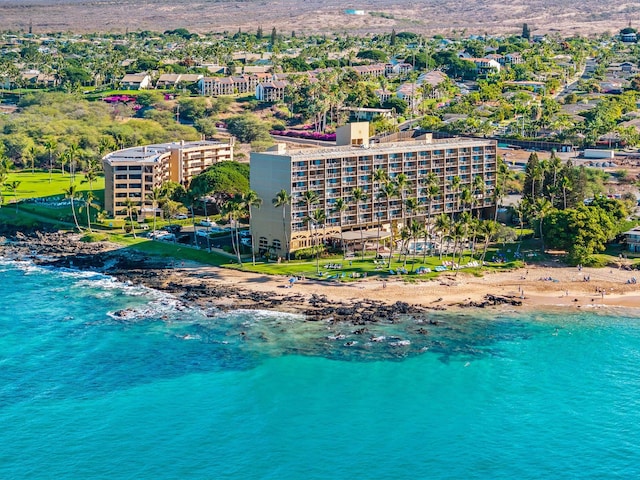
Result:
[
  {"x": 381, "y": 148},
  {"x": 152, "y": 153}
]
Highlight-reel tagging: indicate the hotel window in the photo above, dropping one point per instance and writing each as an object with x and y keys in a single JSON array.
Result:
[
  {"x": 263, "y": 242},
  {"x": 277, "y": 244}
]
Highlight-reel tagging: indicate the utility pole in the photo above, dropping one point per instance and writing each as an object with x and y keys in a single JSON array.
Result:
[{"x": 177, "y": 113}]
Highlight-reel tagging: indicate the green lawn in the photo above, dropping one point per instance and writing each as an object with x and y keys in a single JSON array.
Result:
[
  {"x": 37, "y": 185},
  {"x": 169, "y": 250},
  {"x": 354, "y": 268}
]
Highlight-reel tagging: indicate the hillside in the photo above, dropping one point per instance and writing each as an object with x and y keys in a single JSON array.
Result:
[{"x": 311, "y": 16}]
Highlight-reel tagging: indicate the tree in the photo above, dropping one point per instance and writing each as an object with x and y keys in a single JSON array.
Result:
[
  {"x": 72, "y": 193},
  {"x": 72, "y": 153},
  {"x": 309, "y": 198},
  {"x": 358, "y": 196},
  {"x": 443, "y": 226},
  {"x": 283, "y": 199},
  {"x": 50, "y": 145},
  {"x": 340, "y": 206},
  {"x": 539, "y": 210},
  {"x": 89, "y": 203},
  {"x": 252, "y": 200},
  {"x": 248, "y": 128},
  {"x": 274, "y": 36},
  {"x": 156, "y": 196},
  {"x": 317, "y": 218},
  {"x": 3, "y": 181},
  {"x": 534, "y": 174},
  {"x": 488, "y": 229},
  {"x": 387, "y": 192},
  {"x": 222, "y": 180},
  {"x": 233, "y": 208},
  {"x": 526, "y": 32},
  {"x": 13, "y": 187},
  {"x": 192, "y": 109}
]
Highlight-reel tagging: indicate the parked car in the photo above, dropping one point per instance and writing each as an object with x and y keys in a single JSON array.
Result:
[
  {"x": 181, "y": 216},
  {"x": 207, "y": 223},
  {"x": 172, "y": 228},
  {"x": 166, "y": 236},
  {"x": 245, "y": 233}
]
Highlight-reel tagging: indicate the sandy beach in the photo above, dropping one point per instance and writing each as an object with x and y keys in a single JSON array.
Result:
[
  {"x": 533, "y": 287},
  {"x": 567, "y": 287}
]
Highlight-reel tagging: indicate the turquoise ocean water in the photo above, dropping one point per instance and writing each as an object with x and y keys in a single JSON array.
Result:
[{"x": 165, "y": 391}]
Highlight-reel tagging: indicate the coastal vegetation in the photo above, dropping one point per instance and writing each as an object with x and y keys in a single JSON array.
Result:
[{"x": 567, "y": 92}]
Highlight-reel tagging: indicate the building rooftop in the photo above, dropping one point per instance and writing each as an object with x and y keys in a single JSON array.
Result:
[
  {"x": 152, "y": 153},
  {"x": 379, "y": 148}
]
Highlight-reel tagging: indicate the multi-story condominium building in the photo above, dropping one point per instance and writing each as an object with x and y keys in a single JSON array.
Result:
[
  {"x": 134, "y": 172},
  {"x": 333, "y": 173}
]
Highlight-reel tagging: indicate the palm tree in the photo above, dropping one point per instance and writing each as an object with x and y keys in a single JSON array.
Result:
[
  {"x": 252, "y": 200},
  {"x": 64, "y": 156},
  {"x": 283, "y": 199},
  {"x": 72, "y": 151},
  {"x": 233, "y": 208},
  {"x": 502, "y": 173},
  {"x": 3, "y": 180},
  {"x": 156, "y": 196},
  {"x": 454, "y": 185},
  {"x": 13, "y": 186},
  {"x": 31, "y": 154},
  {"x": 457, "y": 232},
  {"x": 488, "y": 229},
  {"x": 416, "y": 229},
  {"x": 433, "y": 190},
  {"x": 340, "y": 206},
  {"x": 131, "y": 209},
  {"x": 479, "y": 189},
  {"x": 317, "y": 218},
  {"x": 88, "y": 205},
  {"x": 412, "y": 206},
  {"x": 50, "y": 145},
  {"x": 72, "y": 193},
  {"x": 381, "y": 180},
  {"x": 401, "y": 182},
  {"x": 541, "y": 209},
  {"x": 309, "y": 198},
  {"x": 358, "y": 196},
  {"x": 442, "y": 226}
]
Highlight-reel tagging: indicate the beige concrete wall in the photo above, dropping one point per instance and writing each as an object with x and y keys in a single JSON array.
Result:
[
  {"x": 356, "y": 133},
  {"x": 269, "y": 174}
]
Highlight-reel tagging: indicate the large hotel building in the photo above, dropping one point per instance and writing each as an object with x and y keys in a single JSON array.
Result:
[
  {"x": 334, "y": 172},
  {"x": 132, "y": 173}
]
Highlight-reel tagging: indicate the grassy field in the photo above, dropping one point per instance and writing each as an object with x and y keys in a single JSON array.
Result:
[{"x": 37, "y": 185}]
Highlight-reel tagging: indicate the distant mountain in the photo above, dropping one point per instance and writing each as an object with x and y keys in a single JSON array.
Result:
[{"x": 453, "y": 17}]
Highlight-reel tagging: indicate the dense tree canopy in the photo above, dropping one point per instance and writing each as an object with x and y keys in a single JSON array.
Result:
[{"x": 223, "y": 180}]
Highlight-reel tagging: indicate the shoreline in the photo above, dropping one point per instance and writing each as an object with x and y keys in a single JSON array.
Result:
[{"x": 533, "y": 288}]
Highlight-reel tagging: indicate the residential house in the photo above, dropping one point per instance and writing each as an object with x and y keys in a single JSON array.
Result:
[
  {"x": 271, "y": 91},
  {"x": 485, "y": 66},
  {"x": 383, "y": 94},
  {"x": 514, "y": 58},
  {"x": 372, "y": 71},
  {"x": 632, "y": 239},
  {"x": 135, "y": 81}
]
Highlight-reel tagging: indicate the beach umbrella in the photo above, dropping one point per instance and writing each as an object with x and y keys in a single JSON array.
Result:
[{"x": 292, "y": 280}]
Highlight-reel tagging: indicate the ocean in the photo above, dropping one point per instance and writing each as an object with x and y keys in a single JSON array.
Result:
[{"x": 105, "y": 380}]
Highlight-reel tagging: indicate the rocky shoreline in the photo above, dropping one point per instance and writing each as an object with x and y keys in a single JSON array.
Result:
[{"x": 65, "y": 250}]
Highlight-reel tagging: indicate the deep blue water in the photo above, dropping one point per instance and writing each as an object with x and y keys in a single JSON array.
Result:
[{"x": 172, "y": 392}]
